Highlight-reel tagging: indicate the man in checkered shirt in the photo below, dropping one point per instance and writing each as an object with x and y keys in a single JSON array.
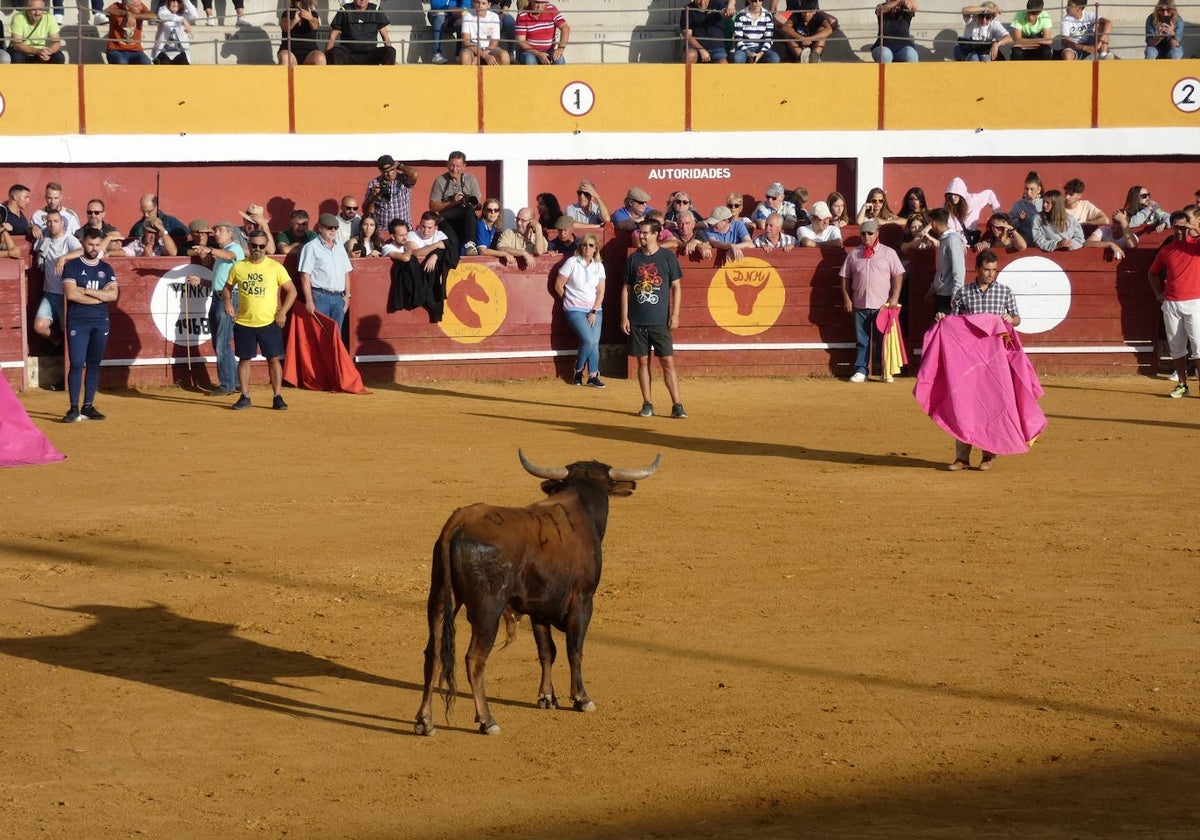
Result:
[{"x": 984, "y": 296}]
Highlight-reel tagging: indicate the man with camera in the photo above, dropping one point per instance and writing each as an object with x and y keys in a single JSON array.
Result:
[
  {"x": 389, "y": 196},
  {"x": 455, "y": 196}
]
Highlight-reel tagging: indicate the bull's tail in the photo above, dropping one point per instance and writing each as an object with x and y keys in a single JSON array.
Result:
[{"x": 446, "y": 645}]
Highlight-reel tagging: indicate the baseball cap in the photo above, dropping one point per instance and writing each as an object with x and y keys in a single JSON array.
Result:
[
  {"x": 719, "y": 214},
  {"x": 820, "y": 210}
]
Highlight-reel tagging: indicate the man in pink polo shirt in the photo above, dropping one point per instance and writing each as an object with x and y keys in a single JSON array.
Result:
[
  {"x": 871, "y": 277},
  {"x": 542, "y": 34}
]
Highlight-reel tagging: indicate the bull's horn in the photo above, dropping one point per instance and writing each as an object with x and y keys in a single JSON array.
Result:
[
  {"x": 635, "y": 475},
  {"x": 542, "y": 472}
]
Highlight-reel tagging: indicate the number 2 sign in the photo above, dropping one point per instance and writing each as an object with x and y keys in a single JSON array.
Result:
[
  {"x": 1186, "y": 95},
  {"x": 577, "y": 99}
]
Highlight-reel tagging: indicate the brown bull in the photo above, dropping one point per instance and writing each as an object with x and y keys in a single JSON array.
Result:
[{"x": 542, "y": 561}]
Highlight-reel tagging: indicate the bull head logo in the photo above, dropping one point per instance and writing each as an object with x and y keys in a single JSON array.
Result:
[
  {"x": 746, "y": 284},
  {"x": 460, "y": 297}
]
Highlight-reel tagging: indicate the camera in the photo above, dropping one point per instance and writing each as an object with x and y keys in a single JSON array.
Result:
[
  {"x": 470, "y": 201},
  {"x": 385, "y": 190}
]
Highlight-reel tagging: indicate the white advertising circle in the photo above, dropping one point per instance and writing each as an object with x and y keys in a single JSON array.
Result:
[
  {"x": 1186, "y": 95},
  {"x": 1043, "y": 292},
  {"x": 578, "y": 98},
  {"x": 179, "y": 309},
  {"x": 1, "y": 104}
]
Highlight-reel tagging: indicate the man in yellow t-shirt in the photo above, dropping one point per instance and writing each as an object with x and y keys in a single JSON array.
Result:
[{"x": 258, "y": 324}]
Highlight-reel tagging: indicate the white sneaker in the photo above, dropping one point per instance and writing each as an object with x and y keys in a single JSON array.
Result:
[
  {"x": 858, "y": 376},
  {"x": 243, "y": 22},
  {"x": 210, "y": 20},
  {"x": 100, "y": 19},
  {"x": 438, "y": 58},
  {"x": 889, "y": 379},
  {"x": 58, "y": 19}
]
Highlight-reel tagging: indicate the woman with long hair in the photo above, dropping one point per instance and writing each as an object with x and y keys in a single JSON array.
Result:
[
  {"x": 876, "y": 207},
  {"x": 299, "y": 26},
  {"x": 1142, "y": 210},
  {"x": 1054, "y": 229},
  {"x": 172, "y": 39},
  {"x": 965, "y": 208},
  {"x": 548, "y": 209},
  {"x": 368, "y": 243},
  {"x": 1028, "y": 206},
  {"x": 580, "y": 284},
  {"x": 837, "y": 206},
  {"x": 1164, "y": 31},
  {"x": 914, "y": 202}
]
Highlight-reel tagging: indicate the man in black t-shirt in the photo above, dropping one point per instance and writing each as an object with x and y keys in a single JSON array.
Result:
[
  {"x": 650, "y": 310},
  {"x": 357, "y": 25}
]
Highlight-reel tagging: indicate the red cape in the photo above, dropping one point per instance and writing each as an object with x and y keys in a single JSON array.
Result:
[{"x": 316, "y": 359}]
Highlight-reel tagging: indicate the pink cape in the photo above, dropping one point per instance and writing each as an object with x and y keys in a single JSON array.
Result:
[
  {"x": 21, "y": 443},
  {"x": 977, "y": 383},
  {"x": 316, "y": 359}
]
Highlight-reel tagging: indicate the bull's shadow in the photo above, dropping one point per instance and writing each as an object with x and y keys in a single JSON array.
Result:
[{"x": 156, "y": 646}]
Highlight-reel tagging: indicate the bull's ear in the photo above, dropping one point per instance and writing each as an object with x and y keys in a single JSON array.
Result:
[
  {"x": 551, "y": 486},
  {"x": 622, "y": 488}
]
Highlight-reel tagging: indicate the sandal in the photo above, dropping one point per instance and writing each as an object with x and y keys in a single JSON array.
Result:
[{"x": 959, "y": 465}]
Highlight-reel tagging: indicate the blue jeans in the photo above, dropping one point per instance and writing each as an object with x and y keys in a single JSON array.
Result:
[
  {"x": 589, "y": 339},
  {"x": 740, "y": 57},
  {"x": 85, "y": 348},
  {"x": 330, "y": 305},
  {"x": 961, "y": 55},
  {"x": 220, "y": 327},
  {"x": 127, "y": 57},
  {"x": 867, "y": 337},
  {"x": 1163, "y": 50},
  {"x": 437, "y": 20},
  {"x": 529, "y": 57},
  {"x": 886, "y": 55}
]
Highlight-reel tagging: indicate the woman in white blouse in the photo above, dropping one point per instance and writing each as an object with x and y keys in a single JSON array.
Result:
[
  {"x": 173, "y": 41},
  {"x": 580, "y": 284}
]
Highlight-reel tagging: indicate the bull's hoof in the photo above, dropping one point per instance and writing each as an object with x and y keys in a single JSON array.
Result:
[
  {"x": 424, "y": 727},
  {"x": 489, "y": 728},
  {"x": 547, "y": 701},
  {"x": 585, "y": 706}
]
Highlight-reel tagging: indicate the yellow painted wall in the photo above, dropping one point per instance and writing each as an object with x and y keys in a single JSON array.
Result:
[
  {"x": 195, "y": 100},
  {"x": 784, "y": 97},
  {"x": 627, "y": 97},
  {"x": 28, "y": 110},
  {"x": 334, "y": 100},
  {"x": 970, "y": 95},
  {"x": 1134, "y": 93}
]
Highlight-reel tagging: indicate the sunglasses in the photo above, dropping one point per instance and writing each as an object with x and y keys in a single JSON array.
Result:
[
  {"x": 635, "y": 201},
  {"x": 733, "y": 206},
  {"x": 491, "y": 209},
  {"x": 258, "y": 246},
  {"x": 682, "y": 201},
  {"x": 349, "y": 206},
  {"x": 583, "y": 193},
  {"x": 588, "y": 245},
  {"x": 101, "y": 212}
]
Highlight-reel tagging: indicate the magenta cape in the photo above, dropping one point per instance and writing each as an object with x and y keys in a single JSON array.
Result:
[
  {"x": 21, "y": 443},
  {"x": 977, "y": 383}
]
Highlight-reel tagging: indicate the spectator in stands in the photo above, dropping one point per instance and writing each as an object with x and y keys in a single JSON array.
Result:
[
  {"x": 456, "y": 194},
  {"x": 798, "y": 198},
  {"x": 1115, "y": 238},
  {"x": 153, "y": 243},
  {"x": 508, "y": 25},
  {"x": 397, "y": 250},
  {"x": 125, "y": 19},
  {"x": 488, "y": 229},
  {"x": 635, "y": 209},
  {"x": 1083, "y": 35},
  {"x": 542, "y": 34},
  {"x": 580, "y": 284},
  {"x": 820, "y": 230},
  {"x": 150, "y": 210},
  {"x": 753, "y": 30},
  {"x": 211, "y": 19},
  {"x": 680, "y": 206},
  {"x": 1164, "y": 31},
  {"x": 895, "y": 41},
  {"x": 727, "y": 233},
  {"x": 983, "y": 34},
  {"x": 1179, "y": 295},
  {"x": 444, "y": 17},
  {"x": 951, "y": 270},
  {"x": 254, "y": 218},
  {"x": 426, "y": 241},
  {"x": 35, "y": 38},
  {"x": 1028, "y": 207},
  {"x": 914, "y": 204},
  {"x": 367, "y": 242},
  {"x": 773, "y": 238},
  {"x": 871, "y": 279},
  {"x": 1083, "y": 210},
  {"x": 1055, "y": 229},
  {"x": 8, "y": 248},
  {"x": 703, "y": 30},
  {"x": 299, "y": 26},
  {"x": 1033, "y": 33},
  {"x": 349, "y": 221},
  {"x": 200, "y": 234},
  {"x": 111, "y": 243},
  {"x": 12, "y": 212},
  {"x": 1000, "y": 235},
  {"x": 839, "y": 212},
  {"x": 172, "y": 38},
  {"x": 324, "y": 270},
  {"x": 54, "y": 201},
  {"x": 918, "y": 236},
  {"x": 876, "y": 207},
  {"x": 524, "y": 243},
  {"x": 52, "y": 252},
  {"x": 360, "y": 22},
  {"x": 965, "y": 207},
  {"x": 389, "y": 196},
  {"x": 1143, "y": 212},
  {"x": 689, "y": 240},
  {"x": 297, "y": 235},
  {"x": 736, "y": 202},
  {"x": 774, "y": 203},
  {"x": 482, "y": 42},
  {"x": 548, "y": 210},
  {"x": 808, "y": 29},
  {"x": 565, "y": 242},
  {"x": 589, "y": 208}
]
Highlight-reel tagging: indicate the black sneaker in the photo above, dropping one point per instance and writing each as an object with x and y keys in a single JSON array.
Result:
[
  {"x": 578, "y": 377},
  {"x": 278, "y": 404},
  {"x": 678, "y": 412},
  {"x": 243, "y": 402},
  {"x": 89, "y": 411},
  {"x": 647, "y": 410},
  {"x": 595, "y": 382},
  {"x": 73, "y": 416}
]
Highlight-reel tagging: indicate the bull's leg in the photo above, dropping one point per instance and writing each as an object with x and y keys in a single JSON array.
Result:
[
  {"x": 483, "y": 638},
  {"x": 546, "y": 655},
  {"x": 577, "y": 625}
]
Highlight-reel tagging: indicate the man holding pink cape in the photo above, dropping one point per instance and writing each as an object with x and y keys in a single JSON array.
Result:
[{"x": 975, "y": 380}]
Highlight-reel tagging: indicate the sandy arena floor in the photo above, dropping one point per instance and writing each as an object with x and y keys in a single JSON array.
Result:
[{"x": 212, "y": 621}]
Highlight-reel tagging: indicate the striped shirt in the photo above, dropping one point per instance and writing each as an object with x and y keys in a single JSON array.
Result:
[
  {"x": 997, "y": 299},
  {"x": 539, "y": 31},
  {"x": 753, "y": 34}
]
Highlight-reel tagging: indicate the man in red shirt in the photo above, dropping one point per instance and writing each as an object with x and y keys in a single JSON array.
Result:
[
  {"x": 125, "y": 32},
  {"x": 1180, "y": 294},
  {"x": 542, "y": 34}
]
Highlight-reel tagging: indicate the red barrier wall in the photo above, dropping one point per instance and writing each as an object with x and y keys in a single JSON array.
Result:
[{"x": 12, "y": 322}]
